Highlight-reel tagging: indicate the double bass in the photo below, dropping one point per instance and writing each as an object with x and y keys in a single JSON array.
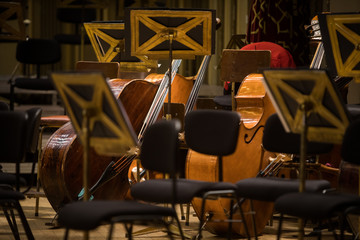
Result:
[
  {"x": 61, "y": 164},
  {"x": 62, "y": 157},
  {"x": 254, "y": 106}
]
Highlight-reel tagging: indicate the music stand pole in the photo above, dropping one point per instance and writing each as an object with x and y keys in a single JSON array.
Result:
[
  {"x": 86, "y": 169},
  {"x": 87, "y": 113},
  {"x": 171, "y": 37},
  {"x": 304, "y": 107}
]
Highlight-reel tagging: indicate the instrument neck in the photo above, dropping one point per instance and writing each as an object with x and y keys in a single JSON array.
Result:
[
  {"x": 159, "y": 98},
  {"x": 195, "y": 90},
  {"x": 318, "y": 57}
]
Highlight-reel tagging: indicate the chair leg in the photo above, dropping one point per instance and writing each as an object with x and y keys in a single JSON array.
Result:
[
  {"x": 187, "y": 219},
  {"x": 12, "y": 96},
  {"x": 253, "y": 218},
  {"x": 230, "y": 219},
  {"x": 202, "y": 214},
  {"x": 66, "y": 235},
  {"x": 37, "y": 198},
  {"x": 25, "y": 223},
  {"x": 342, "y": 225},
  {"x": 179, "y": 227},
  {"x": 111, "y": 228},
  {"x": 331, "y": 226},
  {"x": 185, "y": 215},
  {"x": 280, "y": 226},
  {"x": 128, "y": 229},
  {"x": 168, "y": 229},
  {"x": 244, "y": 221},
  {"x": 12, "y": 223},
  {"x": 182, "y": 212},
  {"x": 229, "y": 234}
]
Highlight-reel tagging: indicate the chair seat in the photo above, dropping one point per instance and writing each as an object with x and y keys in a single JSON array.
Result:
[
  {"x": 34, "y": 83},
  {"x": 270, "y": 188},
  {"x": 10, "y": 179},
  {"x": 89, "y": 215},
  {"x": 224, "y": 101},
  {"x": 314, "y": 205},
  {"x": 10, "y": 195},
  {"x": 161, "y": 189}
]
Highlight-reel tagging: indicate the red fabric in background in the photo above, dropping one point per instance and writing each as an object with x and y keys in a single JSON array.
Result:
[{"x": 280, "y": 57}]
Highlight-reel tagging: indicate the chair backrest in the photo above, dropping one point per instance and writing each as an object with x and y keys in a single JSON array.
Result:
[
  {"x": 76, "y": 15},
  {"x": 159, "y": 148},
  {"x": 213, "y": 132},
  {"x": 276, "y": 139},
  {"x": 350, "y": 149},
  {"x": 109, "y": 69},
  {"x": 13, "y": 129},
  {"x": 38, "y": 51},
  {"x": 34, "y": 120}
]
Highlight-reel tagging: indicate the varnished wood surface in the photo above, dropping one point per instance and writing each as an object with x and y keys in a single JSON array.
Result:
[{"x": 43, "y": 232}]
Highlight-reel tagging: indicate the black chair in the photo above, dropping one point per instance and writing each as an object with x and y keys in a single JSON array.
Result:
[
  {"x": 37, "y": 52},
  {"x": 213, "y": 132},
  {"x": 33, "y": 151},
  {"x": 31, "y": 156},
  {"x": 32, "y": 141},
  {"x": 276, "y": 139},
  {"x": 75, "y": 16},
  {"x": 325, "y": 206},
  {"x": 160, "y": 142},
  {"x": 13, "y": 148},
  {"x": 31, "y": 137}
]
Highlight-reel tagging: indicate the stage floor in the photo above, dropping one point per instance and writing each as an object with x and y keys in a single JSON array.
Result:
[{"x": 43, "y": 231}]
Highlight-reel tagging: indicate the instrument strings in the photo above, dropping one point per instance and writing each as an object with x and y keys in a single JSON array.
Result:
[
  {"x": 159, "y": 99},
  {"x": 125, "y": 161},
  {"x": 275, "y": 165},
  {"x": 199, "y": 79}
]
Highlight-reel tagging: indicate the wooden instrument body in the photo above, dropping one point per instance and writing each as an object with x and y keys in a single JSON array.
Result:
[
  {"x": 62, "y": 159},
  {"x": 255, "y": 107}
]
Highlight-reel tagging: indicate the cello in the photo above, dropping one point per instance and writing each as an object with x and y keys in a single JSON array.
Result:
[
  {"x": 61, "y": 164},
  {"x": 254, "y": 106}
]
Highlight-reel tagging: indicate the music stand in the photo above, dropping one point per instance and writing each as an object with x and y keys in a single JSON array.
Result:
[
  {"x": 108, "y": 41},
  {"x": 341, "y": 38},
  {"x": 236, "y": 64},
  {"x": 8, "y": 31},
  {"x": 99, "y": 120},
  {"x": 308, "y": 104},
  {"x": 170, "y": 34}
]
